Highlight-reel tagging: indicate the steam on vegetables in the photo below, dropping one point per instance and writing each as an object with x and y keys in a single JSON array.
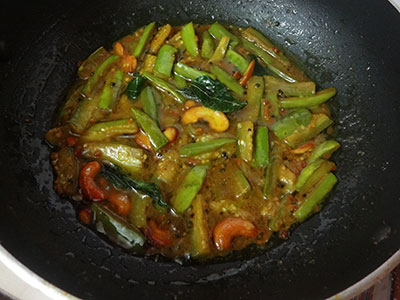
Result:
[{"x": 193, "y": 141}]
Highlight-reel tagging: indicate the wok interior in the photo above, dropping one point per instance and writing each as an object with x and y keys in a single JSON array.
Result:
[{"x": 338, "y": 43}]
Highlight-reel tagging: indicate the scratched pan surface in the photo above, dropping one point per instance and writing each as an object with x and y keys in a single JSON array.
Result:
[{"x": 352, "y": 45}]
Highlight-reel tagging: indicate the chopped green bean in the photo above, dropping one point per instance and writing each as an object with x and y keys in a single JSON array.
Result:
[
  {"x": 227, "y": 80},
  {"x": 256, "y": 37},
  {"x": 220, "y": 51},
  {"x": 199, "y": 238},
  {"x": 179, "y": 81},
  {"x": 149, "y": 102},
  {"x": 190, "y": 73},
  {"x": 237, "y": 60},
  {"x": 131, "y": 160},
  {"x": 164, "y": 86},
  {"x": 218, "y": 31},
  {"x": 308, "y": 101},
  {"x": 147, "y": 32},
  {"x": 92, "y": 81},
  {"x": 245, "y": 131},
  {"x": 261, "y": 154},
  {"x": 324, "y": 149},
  {"x": 103, "y": 130},
  {"x": 307, "y": 172},
  {"x": 292, "y": 122},
  {"x": 241, "y": 185},
  {"x": 255, "y": 91},
  {"x": 188, "y": 37},
  {"x": 188, "y": 188},
  {"x": 315, "y": 197},
  {"x": 302, "y": 135},
  {"x": 165, "y": 61},
  {"x": 150, "y": 127},
  {"x": 111, "y": 90},
  {"x": 207, "y": 48},
  {"x": 296, "y": 89},
  {"x": 201, "y": 147}
]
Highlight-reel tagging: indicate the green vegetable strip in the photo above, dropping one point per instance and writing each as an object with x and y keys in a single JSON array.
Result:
[
  {"x": 82, "y": 115},
  {"x": 188, "y": 189},
  {"x": 277, "y": 221},
  {"x": 241, "y": 185},
  {"x": 220, "y": 51},
  {"x": 296, "y": 89},
  {"x": 147, "y": 32},
  {"x": 207, "y": 48},
  {"x": 254, "y": 36},
  {"x": 179, "y": 81},
  {"x": 129, "y": 159},
  {"x": 324, "y": 149},
  {"x": 188, "y": 37},
  {"x": 227, "y": 80},
  {"x": 308, "y": 101},
  {"x": 319, "y": 123},
  {"x": 261, "y": 155},
  {"x": 199, "y": 238},
  {"x": 164, "y": 86},
  {"x": 239, "y": 61},
  {"x": 117, "y": 229},
  {"x": 255, "y": 91},
  {"x": 307, "y": 172},
  {"x": 292, "y": 122},
  {"x": 190, "y": 73},
  {"x": 92, "y": 63},
  {"x": 269, "y": 61},
  {"x": 271, "y": 176},
  {"x": 150, "y": 127},
  {"x": 165, "y": 61},
  {"x": 149, "y": 102},
  {"x": 319, "y": 174},
  {"x": 201, "y": 147},
  {"x": 92, "y": 81},
  {"x": 316, "y": 197},
  {"x": 272, "y": 98},
  {"x": 244, "y": 134},
  {"x": 103, "y": 130},
  {"x": 218, "y": 31},
  {"x": 137, "y": 215},
  {"x": 110, "y": 92}
]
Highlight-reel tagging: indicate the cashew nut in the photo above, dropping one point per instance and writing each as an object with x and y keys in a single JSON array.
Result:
[
  {"x": 171, "y": 133},
  {"x": 229, "y": 228},
  {"x": 216, "y": 120}
]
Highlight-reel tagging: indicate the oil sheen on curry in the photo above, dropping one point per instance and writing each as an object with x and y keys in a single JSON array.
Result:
[{"x": 193, "y": 141}]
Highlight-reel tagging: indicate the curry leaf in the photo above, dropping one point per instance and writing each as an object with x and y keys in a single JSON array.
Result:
[
  {"x": 122, "y": 181},
  {"x": 135, "y": 86},
  {"x": 213, "y": 94}
]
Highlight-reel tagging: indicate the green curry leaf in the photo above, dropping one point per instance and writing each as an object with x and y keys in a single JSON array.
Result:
[
  {"x": 135, "y": 86},
  {"x": 213, "y": 94},
  {"x": 122, "y": 181}
]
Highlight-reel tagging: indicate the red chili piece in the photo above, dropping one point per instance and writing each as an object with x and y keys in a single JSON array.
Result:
[{"x": 90, "y": 190}]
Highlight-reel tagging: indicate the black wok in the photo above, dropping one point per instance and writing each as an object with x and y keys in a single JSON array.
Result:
[{"x": 352, "y": 45}]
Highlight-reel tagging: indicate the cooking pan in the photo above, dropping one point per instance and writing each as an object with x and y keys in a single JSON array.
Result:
[{"x": 352, "y": 45}]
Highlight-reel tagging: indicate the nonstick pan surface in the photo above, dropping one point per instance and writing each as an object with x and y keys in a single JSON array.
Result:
[{"x": 352, "y": 45}]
